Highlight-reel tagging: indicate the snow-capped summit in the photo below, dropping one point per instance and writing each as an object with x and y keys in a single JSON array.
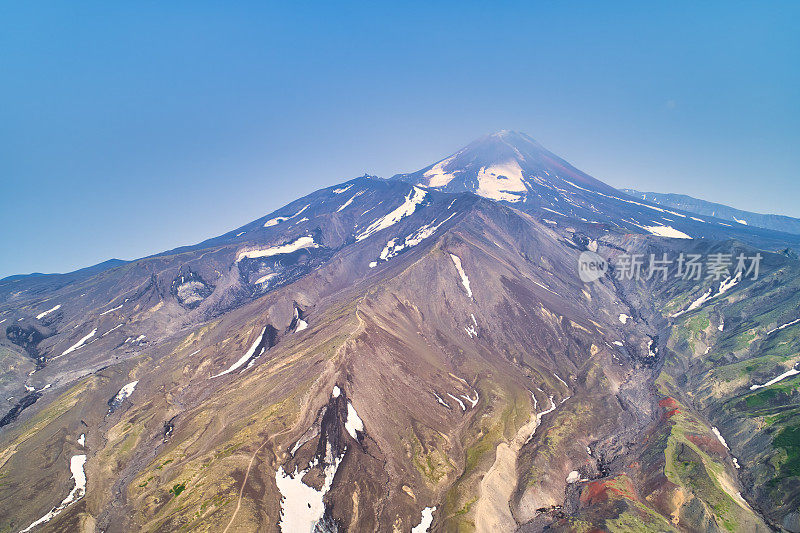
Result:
[{"x": 507, "y": 166}]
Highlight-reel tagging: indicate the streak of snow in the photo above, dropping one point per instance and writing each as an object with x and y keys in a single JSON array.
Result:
[
  {"x": 729, "y": 282},
  {"x": 539, "y": 416},
  {"x": 464, "y": 278},
  {"x": 78, "y": 344},
  {"x": 350, "y": 201},
  {"x": 791, "y": 372},
  {"x": 740, "y": 221},
  {"x": 627, "y": 201},
  {"x": 76, "y": 464},
  {"x": 471, "y": 330},
  {"x": 343, "y": 189},
  {"x": 793, "y": 322},
  {"x": 306, "y": 241},
  {"x": 666, "y": 231},
  {"x": 112, "y": 329},
  {"x": 243, "y": 359},
  {"x": 720, "y": 437},
  {"x": 561, "y": 380},
  {"x": 412, "y": 200},
  {"x": 554, "y": 211},
  {"x": 697, "y": 303},
  {"x": 45, "y": 313},
  {"x": 266, "y": 278},
  {"x": 463, "y": 407},
  {"x": 277, "y": 220},
  {"x": 473, "y": 401},
  {"x": 439, "y": 399},
  {"x": 111, "y": 310}
]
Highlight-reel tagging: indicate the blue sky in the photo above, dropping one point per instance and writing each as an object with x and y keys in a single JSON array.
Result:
[{"x": 131, "y": 128}]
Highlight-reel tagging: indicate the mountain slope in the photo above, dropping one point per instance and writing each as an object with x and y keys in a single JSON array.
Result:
[
  {"x": 724, "y": 212},
  {"x": 381, "y": 355}
]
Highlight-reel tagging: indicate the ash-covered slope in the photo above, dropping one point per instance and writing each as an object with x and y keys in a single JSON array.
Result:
[{"x": 383, "y": 355}]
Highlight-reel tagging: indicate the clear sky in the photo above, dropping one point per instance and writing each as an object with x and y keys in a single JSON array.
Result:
[{"x": 128, "y": 128}]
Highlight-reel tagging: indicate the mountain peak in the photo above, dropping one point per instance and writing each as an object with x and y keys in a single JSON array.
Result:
[{"x": 506, "y": 165}]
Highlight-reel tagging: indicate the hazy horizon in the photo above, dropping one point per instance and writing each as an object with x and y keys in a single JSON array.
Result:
[{"x": 128, "y": 130}]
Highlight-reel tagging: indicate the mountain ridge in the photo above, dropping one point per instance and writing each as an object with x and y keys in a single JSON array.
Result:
[
  {"x": 783, "y": 223},
  {"x": 382, "y": 353}
]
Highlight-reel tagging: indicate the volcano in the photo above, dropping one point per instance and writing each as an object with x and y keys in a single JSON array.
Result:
[{"x": 414, "y": 354}]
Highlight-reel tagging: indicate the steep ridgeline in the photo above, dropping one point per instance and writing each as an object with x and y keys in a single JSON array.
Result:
[
  {"x": 720, "y": 211},
  {"x": 405, "y": 355}
]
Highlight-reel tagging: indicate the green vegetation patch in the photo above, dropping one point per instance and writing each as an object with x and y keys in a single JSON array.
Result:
[{"x": 177, "y": 488}]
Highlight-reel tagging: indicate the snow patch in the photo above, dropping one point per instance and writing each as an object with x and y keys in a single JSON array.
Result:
[
  {"x": 354, "y": 422},
  {"x": 720, "y": 437},
  {"x": 573, "y": 476},
  {"x": 623, "y": 318},
  {"x": 439, "y": 399},
  {"x": 464, "y": 278},
  {"x": 666, "y": 231},
  {"x": 305, "y": 241},
  {"x": 125, "y": 391},
  {"x": 45, "y": 313},
  {"x": 501, "y": 182},
  {"x": 277, "y": 220},
  {"x": 393, "y": 247},
  {"x": 303, "y": 506},
  {"x": 425, "y": 522},
  {"x": 729, "y": 282},
  {"x": 437, "y": 176},
  {"x": 407, "y": 208},
  {"x": 697, "y": 303}
]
